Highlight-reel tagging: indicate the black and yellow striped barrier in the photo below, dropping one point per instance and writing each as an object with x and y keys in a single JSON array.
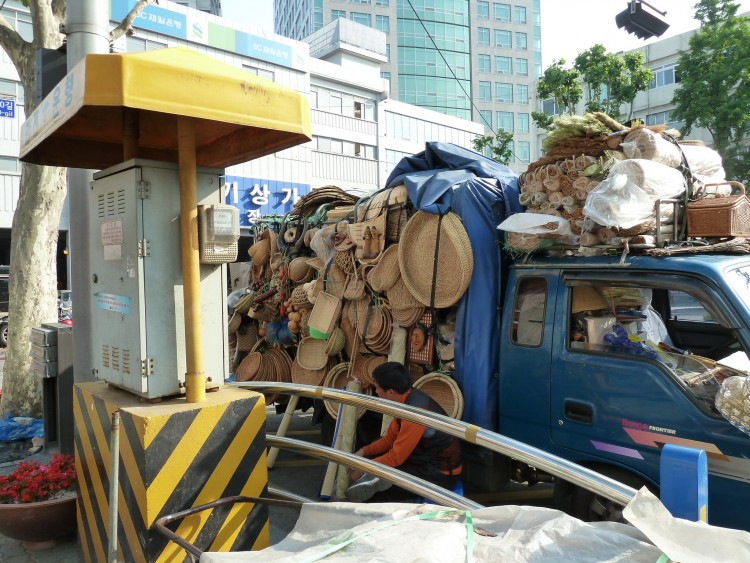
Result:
[{"x": 173, "y": 455}]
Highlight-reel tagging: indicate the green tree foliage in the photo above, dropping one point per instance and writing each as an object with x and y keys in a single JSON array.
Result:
[
  {"x": 612, "y": 80},
  {"x": 563, "y": 86},
  {"x": 501, "y": 145},
  {"x": 714, "y": 88}
]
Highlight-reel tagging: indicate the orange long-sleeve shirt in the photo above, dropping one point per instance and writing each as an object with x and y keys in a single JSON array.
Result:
[{"x": 398, "y": 443}]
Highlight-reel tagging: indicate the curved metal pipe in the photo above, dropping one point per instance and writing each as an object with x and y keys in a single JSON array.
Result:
[
  {"x": 567, "y": 470},
  {"x": 399, "y": 478}
]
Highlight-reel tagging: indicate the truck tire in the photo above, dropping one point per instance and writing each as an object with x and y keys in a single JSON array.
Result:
[
  {"x": 3, "y": 334},
  {"x": 590, "y": 507}
]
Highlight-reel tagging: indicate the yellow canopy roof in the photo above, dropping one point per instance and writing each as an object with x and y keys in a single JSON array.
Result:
[{"x": 238, "y": 115}]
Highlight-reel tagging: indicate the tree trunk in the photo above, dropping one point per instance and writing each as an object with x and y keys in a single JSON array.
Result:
[{"x": 33, "y": 282}]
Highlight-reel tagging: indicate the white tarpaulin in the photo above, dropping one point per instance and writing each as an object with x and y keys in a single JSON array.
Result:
[{"x": 431, "y": 534}]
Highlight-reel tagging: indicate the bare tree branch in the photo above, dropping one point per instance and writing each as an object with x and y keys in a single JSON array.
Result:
[
  {"x": 12, "y": 42},
  {"x": 126, "y": 25}
]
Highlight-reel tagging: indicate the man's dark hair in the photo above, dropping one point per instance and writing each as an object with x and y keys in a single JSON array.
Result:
[{"x": 392, "y": 375}]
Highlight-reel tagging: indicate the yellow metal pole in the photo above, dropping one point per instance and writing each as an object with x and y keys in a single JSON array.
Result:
[{"x": 195, "y": 378}]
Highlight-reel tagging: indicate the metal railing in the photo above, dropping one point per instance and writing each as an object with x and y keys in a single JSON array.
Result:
[{"x": 557, "y": 466}]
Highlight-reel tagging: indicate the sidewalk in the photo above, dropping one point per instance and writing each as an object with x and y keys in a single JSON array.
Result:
[{"x": 293, "y": 472}]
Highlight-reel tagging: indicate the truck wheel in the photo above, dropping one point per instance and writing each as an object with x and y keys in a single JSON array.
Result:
[
  {"x": 4, "y": 335},
  {"x": 590, "y": 507}
]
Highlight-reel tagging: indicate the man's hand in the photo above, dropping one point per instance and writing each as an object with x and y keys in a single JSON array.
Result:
[{"x": 354, "y": 475}]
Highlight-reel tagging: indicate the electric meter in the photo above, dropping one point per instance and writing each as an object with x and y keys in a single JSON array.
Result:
[{"x": 218, "y": 232}]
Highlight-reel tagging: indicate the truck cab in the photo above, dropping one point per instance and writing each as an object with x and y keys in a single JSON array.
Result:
[{"x": 570, "y": 385}]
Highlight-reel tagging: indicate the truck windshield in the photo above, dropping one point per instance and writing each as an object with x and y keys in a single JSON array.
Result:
[{"x": 739, "y": 279}]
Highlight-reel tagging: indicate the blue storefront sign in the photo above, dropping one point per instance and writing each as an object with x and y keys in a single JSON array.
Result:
[
  {"x": 7, "y": 108},
  {"x": 152, "y": 18},
  {"x": 257, "y": 198}
]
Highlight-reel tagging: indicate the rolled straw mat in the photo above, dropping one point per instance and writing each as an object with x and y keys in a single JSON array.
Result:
[{"x": 416, "y": 258}]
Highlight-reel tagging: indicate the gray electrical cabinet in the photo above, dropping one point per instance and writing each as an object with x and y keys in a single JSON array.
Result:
[{"x": 135, "y": 255}]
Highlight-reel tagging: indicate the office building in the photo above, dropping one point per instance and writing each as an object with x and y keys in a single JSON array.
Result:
[
  {"x": 473, "y": 59},
  {"x": 359, "y": 134},
  {"x": 208, "y": 6}
]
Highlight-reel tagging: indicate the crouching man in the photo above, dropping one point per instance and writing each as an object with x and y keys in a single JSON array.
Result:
[{"x": 410, "y": 447}]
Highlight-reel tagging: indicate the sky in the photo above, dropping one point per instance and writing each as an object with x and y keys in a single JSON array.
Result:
[{"x": 569, "y": 27}]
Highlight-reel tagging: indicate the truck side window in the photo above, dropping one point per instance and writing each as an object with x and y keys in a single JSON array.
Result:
[
  {"x": 528, "y": 312},
  {"x": 685, "y": 307}
]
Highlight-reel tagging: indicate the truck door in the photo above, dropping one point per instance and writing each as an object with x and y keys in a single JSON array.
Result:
[
  {"x": 614, "y": 403},
  {"x": 526, "y": 355}
]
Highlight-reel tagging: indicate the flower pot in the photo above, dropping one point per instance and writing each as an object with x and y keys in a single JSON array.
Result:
[{"x": 39, "y": 525}]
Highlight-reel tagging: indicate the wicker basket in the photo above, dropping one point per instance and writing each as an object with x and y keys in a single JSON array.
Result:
[
  {"x": 712, "y": 216},
  {"x": 444, "y": 391},
  {"x": 311, "y": 353},
  {"x": 335, "y": 342},
  {"x": 338, "y": 378}
]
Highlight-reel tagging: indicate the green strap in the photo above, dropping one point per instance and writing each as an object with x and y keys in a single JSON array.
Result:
[
  {"x": 663, "y": 559},
  {"x": 346, "y": 538}
]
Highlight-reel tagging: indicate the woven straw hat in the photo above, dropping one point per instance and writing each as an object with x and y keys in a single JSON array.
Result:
[
  {"x": 386, "y": 272},
  {"x": 300, "y": 270},
  {"x": 260, "y": 252},
  {"x": 587, "y": 298},
  {"x": 416, "y": 258},
  {"x": 444, "y": 391},
  {"x": 234, "y": 322}
]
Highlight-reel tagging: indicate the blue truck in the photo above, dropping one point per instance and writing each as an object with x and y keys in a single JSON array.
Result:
[{"x": 611, "y": 407}]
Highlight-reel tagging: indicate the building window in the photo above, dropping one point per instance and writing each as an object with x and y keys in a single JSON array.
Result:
[
  {"x": 483, "y": 10},
  {"x": 383, "y": 24},
  {"x": 387, "y": 52},
  {"x": 522, "y": 93},
  {"x": 522, "y": 40},
  {"x": 522, "y": 67},
  {"x": 484, "y": 63},
  {"x": 503, "y": 39},
  {"x": 505, "y": 120},
  {"x": 483, "y": 36},
  {"x": 386, "y": 75},
  {"x": 269, "y": 74},
  {"x": 338, "y": 14},
  {"x": 9, "y": 164},
  {"x": 524, "y": 151},
  {"x": 361, "y": 1},
  {"x": 660, "y": 118},
  {"x": 523, "y": 123},
  {"x": 382, "y": 3},
  {"x": 135, "y": 44},
  {"x": 503, "y": 65},
  {"x": 501, "y": 12},
  {"x": 485, "y": 116},
  {"x": 504, "y": 92},
  {"x": 485, "y": 91},
  {"x": 549, "y": 107},
  {"x": 360, "y": 17},
  {"x": 663, "y": 76},
  {"x": 519, "y": 14}
]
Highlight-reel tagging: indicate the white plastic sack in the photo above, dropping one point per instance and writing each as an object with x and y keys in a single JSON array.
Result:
[
  {"x": 618, "y": 202},
  {"x": 536, "y": 224},
  {"x": 657, "y": 180},
  {"x": 410, "y": 533}
]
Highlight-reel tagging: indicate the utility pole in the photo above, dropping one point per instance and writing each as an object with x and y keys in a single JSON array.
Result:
[{"x": 87, "y": 30}]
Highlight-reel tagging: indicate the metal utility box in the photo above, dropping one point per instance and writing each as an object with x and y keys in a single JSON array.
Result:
[{"x": 138, "y": 330}]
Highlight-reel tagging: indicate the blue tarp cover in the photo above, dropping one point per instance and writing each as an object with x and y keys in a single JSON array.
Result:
[{"x": 483, "y": 193}]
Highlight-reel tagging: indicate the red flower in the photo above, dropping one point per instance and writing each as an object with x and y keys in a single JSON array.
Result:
[{"x": 32, "y": 481}]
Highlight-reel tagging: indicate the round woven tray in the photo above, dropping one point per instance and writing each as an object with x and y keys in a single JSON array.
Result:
[
  {"x": 337, "y": 378},
  {"x": 311, "y": 353},
  {"x": 416, "y": 258},
  {"x": 444, "y": 391},
  {"x": 249, "y": 368}
]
